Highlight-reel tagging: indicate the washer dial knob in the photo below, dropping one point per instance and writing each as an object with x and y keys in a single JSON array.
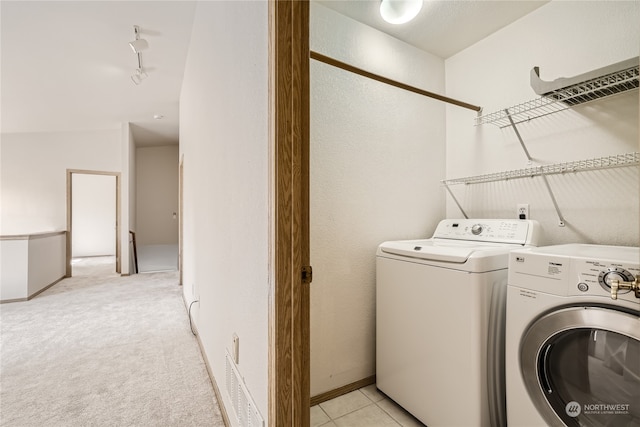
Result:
[
  {"x": 614, "y": 273},
  {"x": 476, "y": 229}
]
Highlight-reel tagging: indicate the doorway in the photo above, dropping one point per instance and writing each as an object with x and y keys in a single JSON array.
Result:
[
  {"x": 157, "y": 194},
  {"x": 93, "y": 219}
]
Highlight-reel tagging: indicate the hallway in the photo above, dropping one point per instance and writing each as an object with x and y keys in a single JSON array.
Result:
[{"x": 103, "y": 350}]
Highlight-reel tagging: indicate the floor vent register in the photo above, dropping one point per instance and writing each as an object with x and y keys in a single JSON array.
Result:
[{"x": 243, "y": 405}]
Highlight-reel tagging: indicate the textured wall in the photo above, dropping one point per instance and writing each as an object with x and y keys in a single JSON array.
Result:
[
  {"x": 377, "y": 155},
  {"x": 599, "y": 207},
  {"x": 225, "y": 141}
]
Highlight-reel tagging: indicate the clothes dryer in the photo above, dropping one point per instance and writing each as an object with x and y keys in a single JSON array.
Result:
[
  {"x": 573, "y": 344},
  {"x": 440, "y": 320}
]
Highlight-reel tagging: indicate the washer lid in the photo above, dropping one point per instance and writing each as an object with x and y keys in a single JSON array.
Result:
[{"x": 439, "y": 250}]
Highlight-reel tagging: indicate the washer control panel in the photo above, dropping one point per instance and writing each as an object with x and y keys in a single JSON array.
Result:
[
  {"x": 521, "y": 232},
  {"x": 577, "y": 270},
  {"x": 596, "y": 277}
]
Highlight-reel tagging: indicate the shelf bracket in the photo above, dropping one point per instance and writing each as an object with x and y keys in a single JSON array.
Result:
[
  {"x": 561, "y": 221},
  {"x": 553, "y": 199},
  {"x": 513, "y": 125},
  {"x": 446, "y": 186}
]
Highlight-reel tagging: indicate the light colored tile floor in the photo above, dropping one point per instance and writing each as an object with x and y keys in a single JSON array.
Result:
[{"x": 365, "y": 407}]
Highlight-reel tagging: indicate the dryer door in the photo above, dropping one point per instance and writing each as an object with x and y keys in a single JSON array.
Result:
[{"x": 581, "y": 367}]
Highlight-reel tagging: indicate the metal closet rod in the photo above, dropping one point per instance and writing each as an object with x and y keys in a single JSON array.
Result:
[{"x": 344, "y": 66}]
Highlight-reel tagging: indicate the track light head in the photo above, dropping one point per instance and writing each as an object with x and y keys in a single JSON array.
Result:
[
  {"x": 139, "y": 76},
  {"x": 138, "y": 45}
]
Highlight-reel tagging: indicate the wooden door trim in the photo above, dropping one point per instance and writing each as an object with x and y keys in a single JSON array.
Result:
[
  {"x": 289, "y": 135},
  {"x": 70, "y": 172}
]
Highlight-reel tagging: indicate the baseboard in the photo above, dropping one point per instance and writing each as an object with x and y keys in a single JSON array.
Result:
[
  {"x": 216, "y": 390},
  {"x": 45, "y": 288},
  {"x": 35, "y": 294},
  {"x": 7, "y": 301},
  {"x": 331, "y": 394}
]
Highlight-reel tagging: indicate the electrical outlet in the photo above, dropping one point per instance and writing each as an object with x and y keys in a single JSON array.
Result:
[{"x": 523, "y": 211}]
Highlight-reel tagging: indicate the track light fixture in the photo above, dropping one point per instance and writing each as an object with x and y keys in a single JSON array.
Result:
[{"x": 138, "y": 45}]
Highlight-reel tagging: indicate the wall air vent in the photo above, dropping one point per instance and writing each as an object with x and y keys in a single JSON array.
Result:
[{"x": 244, "y": 407}]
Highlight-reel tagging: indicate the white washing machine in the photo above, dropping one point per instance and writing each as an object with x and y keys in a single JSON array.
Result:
[
  {"x": 440, "y": 320},
  {"x": 573, "y": 348}
]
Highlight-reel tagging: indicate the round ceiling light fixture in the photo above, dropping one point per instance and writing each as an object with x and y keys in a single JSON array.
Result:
[{"x": 399, "y": 11}]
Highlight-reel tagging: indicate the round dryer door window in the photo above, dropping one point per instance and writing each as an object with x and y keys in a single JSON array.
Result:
[{"x": 581, "y": 367}]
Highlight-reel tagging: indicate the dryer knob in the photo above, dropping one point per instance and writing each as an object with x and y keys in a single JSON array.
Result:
[{"x": 476, "y": 229}]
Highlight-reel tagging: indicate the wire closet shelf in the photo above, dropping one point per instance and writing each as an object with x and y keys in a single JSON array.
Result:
[
  {"x": 561, "y": 99},
  {"x": 607, "y": 162}
]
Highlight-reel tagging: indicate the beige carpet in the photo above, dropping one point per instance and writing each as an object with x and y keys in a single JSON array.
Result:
[{"x": 103, "y": 351}]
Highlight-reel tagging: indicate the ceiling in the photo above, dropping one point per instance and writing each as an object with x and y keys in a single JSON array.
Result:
[
  {"x": 66, "y": 65},
  {"x": 443, "y": 27}
]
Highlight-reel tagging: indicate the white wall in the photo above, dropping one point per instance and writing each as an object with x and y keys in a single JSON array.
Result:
[
  {"x": 129, "y": 142},
  {"x": 14, "y": 269},
  {"x": 33, "y": 191},
  {"x": 377, "y": 155},
  {"x": 94, "y": 215},
  {"x": 47, "y": 261},
  {"x": 30, "y": 263},
  {"x": 33, "y": 184},
  {"x": 127, "y": 145},
  {"x": 157, "y": 195},
  {"x": 132, "y": 180},
  {"x": 564, "y": 39},
  {"x": 224, "y": 139}
]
